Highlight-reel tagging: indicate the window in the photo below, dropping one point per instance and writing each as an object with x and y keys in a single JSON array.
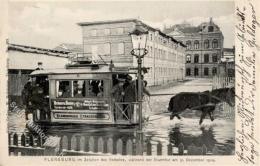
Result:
[
  {"x": 210, "y": 28},
  {"x": 107, "y": 32},
  {"x": 231, "y": 72},
  {"x": 196, "y": 58},
  {"x": 188, "y": 44},
  {"x": 214, "y": 58},
  {"x": 215, "y": 43},
  {"x": 187, "y": 71},
  {"x": 63, "y": 89},
  {"x": 214, "y": 71},
  {"x": 151, "y": 36},
  {"x": 118, "y": 48},
  {"x": 206, "y": 44},
  {"x": 196, "y": 71},
  {"x": 94, "y": 32},
  {"x": 206, "y": 58},
  {"x": 120, "y": 31},
  {"x": 79, "y": 88},
  {"x": 196, "y": 44},
  {"x": 188, "y": 58},
  {"x": 121, "y": 48},
  {"x": 206, "y": 71},
  {"x": 151, "y": 51},
  {"x": 103, "y": 49}
]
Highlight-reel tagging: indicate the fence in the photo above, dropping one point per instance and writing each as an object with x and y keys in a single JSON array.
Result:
[
  {"x": 16, "y": 83},
  {"x": 25, "y": 145},
  {"x": 227, "y": 111},
  {"x": 29, "y": 145},
  {"x": 222, "y": 82}
]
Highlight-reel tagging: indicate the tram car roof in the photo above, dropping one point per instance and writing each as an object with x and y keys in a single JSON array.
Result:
[{"x": 86, "y": 69}]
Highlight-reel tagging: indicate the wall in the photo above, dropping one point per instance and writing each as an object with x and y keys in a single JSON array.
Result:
[
  {"x": 165, "y": 58},
  {"x": 113, "y": 38},
  {"x": 24, "y": 60}
]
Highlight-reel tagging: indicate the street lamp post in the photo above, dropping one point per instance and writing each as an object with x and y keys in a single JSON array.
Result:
[{"x": 139, "y": 38}]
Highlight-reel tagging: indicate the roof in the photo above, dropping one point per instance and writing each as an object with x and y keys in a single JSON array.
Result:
[
  {"x": 37, "y": 50},
  {"x": 107, "y": 22},
  {"x": 138, "y": 22},
  {"x": 101, "y": 69},
  {"x": 69, "y": 47},
  {"x": 189, "y": 29},
  {"x": 183, "y": 29},
  {"x": 168, "y": 30}
]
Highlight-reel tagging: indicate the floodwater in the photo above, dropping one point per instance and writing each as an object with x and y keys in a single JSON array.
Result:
[{"x": 159, "y": 127}]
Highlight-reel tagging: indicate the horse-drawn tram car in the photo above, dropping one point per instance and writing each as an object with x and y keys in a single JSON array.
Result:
[{"x": 81, "y": 94}]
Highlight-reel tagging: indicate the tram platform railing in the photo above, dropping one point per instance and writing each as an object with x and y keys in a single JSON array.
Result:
[{"x": 126, "y": 112}]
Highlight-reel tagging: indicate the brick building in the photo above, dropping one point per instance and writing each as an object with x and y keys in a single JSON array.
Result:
[
  {"x": 110, "y": 40},
  {"x": 204, "y": 47}
]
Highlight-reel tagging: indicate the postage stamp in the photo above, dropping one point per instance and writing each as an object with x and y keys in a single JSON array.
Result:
[{"x": 130, "y": 82}]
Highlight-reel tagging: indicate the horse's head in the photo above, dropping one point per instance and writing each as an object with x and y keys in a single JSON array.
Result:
[{"x": 224, "y": 95}]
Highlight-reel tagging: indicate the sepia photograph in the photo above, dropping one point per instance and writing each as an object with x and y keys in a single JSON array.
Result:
[
  {"x": 127, "y": 78},
  {"x": 123, "y": 81}
]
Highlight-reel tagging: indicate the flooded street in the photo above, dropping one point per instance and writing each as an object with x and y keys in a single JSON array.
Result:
[{"x": 159, "y": 127}]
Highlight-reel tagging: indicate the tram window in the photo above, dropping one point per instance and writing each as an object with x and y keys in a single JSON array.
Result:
[
  {"x": 79, "y": 88},
  {"x": 63, "y": 89},
  {"x": 94, "y": 88}
]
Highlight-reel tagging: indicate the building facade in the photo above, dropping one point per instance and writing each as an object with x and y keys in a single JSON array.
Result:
[
  {"x": 110, "y": 40},
  {"x": 204, "y": 47}
]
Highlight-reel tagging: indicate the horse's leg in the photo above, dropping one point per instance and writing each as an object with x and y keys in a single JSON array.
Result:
[
  {"x": 172, "y": 116},
  {"x": 210, "y": 115},
  {"x": 178, "y": 116},
  {"x": 202, "y": 116}
]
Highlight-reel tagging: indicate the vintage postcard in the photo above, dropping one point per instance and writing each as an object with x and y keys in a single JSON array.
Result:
[{"x": 130, "y": 82}]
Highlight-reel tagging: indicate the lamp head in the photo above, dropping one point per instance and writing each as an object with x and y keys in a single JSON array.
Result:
[{"x": 139, "y": 38}]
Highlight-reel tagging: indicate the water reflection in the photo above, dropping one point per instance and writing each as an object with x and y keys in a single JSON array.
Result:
[{"x": 206, "y": 137}]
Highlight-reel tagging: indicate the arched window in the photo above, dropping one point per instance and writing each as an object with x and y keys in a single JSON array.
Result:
[
  {"x": 215, "y": 43},
  {"x": 206, "y": 71},
  {"x": 196, "y": 44},
  {"x": 196, "y": 58},
  {"x": 187, "y": 71},
  {"x": 214, "y": 71},
  {"x": 188, "y": 58},
  {"x": 188, "y": 44},
  {"x": 206, "y": 44},
  {"x": 206, "y": 58}
]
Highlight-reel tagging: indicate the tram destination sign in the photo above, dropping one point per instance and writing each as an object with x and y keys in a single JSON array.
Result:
[{"x": 87, "y": 104}]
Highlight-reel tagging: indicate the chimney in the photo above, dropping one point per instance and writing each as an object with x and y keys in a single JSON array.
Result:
[{"x": 210, "y": 20}]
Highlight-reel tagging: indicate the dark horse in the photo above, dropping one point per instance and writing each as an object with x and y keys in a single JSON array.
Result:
[{"x": 204, "y": 101}]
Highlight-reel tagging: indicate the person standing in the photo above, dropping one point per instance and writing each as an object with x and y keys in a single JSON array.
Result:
[
  {"x": 26, "y": 95},
  {"x": 118, "y": 96}
]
